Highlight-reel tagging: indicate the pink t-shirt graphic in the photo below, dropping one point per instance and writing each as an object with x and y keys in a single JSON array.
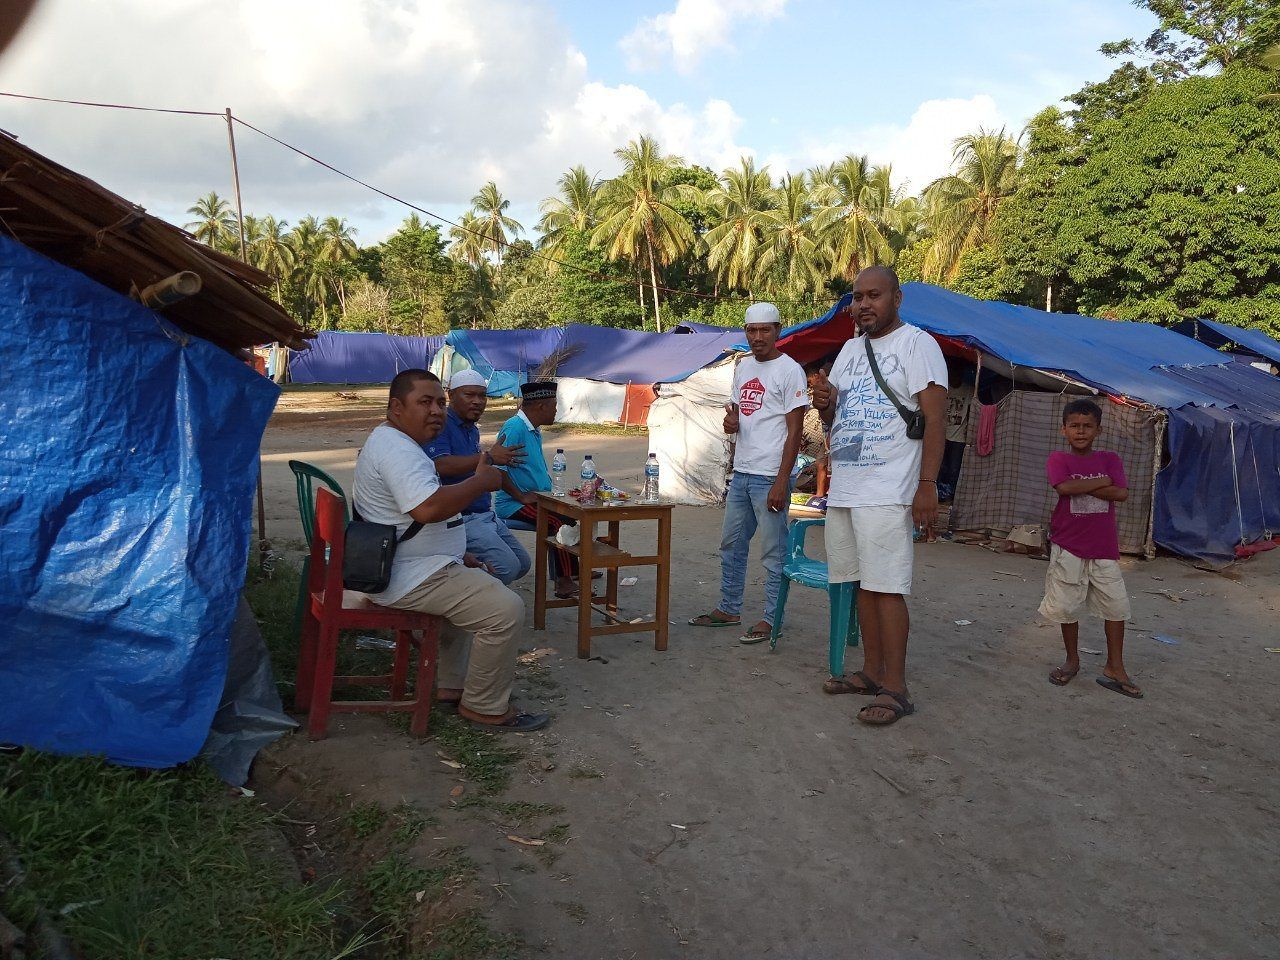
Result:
[{"x": 1085, "y": 525}]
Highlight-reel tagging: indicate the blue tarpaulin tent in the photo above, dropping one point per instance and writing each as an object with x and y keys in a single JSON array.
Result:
[
  {"x": 126, "y": 485},
  {"x": 607, "y": 354},
  {"x": 1218, "y": 335},
  {"x": 1221, "y": 486},
  {"x": 334, "y": 357}
]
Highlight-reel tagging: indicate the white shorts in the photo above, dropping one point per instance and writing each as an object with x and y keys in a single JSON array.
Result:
[
  {"x": 871, "y": 545},
  {"x": 1072, "y": 584}
]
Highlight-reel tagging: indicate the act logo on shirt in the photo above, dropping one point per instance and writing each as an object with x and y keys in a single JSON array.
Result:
[{"x": 752, "y": 397}]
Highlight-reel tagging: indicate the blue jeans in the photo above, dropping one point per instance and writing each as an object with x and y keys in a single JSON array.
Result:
[
  {"x": 746, "y": 509},
  {"x": 492, "y": 543}
]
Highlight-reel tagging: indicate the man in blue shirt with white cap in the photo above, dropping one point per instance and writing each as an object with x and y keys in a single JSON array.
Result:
[{"x": 456, "y": 452}]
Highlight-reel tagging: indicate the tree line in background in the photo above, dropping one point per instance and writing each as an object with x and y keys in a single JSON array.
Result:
[{"x": 1155, "y": 197}]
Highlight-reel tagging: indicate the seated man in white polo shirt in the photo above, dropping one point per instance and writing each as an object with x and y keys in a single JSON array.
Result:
[{"x": 396, "y": 483}]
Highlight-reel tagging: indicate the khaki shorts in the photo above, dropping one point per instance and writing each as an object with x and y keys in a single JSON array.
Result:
[
  {"x": 871, "y": 545},
  {"x": 1073, "y": 584}
]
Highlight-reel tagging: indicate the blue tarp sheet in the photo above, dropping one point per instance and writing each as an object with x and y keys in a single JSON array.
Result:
[
  {"x": 1217, "y": 335},
  {"x": 508, "y": 357},
  {"x": 334, "y": 357},
  {"x": 633, "y": 356},
  {"x": 505, "y": 357},
  {"x": 1211, "y": 496},
  {"x": 127, "y": 476}
]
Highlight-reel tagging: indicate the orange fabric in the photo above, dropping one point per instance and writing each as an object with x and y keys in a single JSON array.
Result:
[{"x": 635, "y": 408}]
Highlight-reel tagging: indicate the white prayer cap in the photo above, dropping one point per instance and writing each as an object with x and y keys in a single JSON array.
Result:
[
  {"x": 467, "y": 378},
  {"x": 762, "y": 313}
]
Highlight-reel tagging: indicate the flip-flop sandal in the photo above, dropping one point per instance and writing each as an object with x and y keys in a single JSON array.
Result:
[
  {"x": 707, "y": 620},
  {"x": 755, "y": 636},
  {"x": 520, "y": 723},
  {"x": 1129, "y": 690},
  {"x": 1060, "y": 677},
  {"x": 838, "y": 685},
  {"x": 901, "y": 707}
]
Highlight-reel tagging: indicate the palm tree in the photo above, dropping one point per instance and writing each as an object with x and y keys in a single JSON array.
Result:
[
  {"x": 576, "y": 208},
  {"x": 638, "y": 218},
  {"x": 475, "y": 298},
  {"x": 215, "y": 222},
  {"x": 733, "y": 245},
  {"x": 337, "y": 248},
  {"x": 490, "y": 208},
  {"x": 312, "y": 273},
  {"x": 792, "y": 256},
  {"x": 468, "y": 240},
  {"x": 856, "y": 204},
  {"x": 271, "y": 251},
  {"x": 961, "y": 206}
]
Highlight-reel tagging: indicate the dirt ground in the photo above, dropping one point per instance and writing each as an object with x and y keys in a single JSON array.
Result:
[{"x": 720, "y": 806}]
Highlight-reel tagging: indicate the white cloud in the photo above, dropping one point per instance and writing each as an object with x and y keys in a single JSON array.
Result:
[
  {"x": 919, "y": 151},
  {"x": 691, "y": 30},
  {"x": 426, "y": 98}
]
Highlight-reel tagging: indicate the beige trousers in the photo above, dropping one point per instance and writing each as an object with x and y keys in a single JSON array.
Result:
[{"x": 472, "y": 602}]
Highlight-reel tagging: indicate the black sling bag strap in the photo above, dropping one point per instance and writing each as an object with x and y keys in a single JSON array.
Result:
[
  {"x": 914, "y": 419},
  {"x": 369, "y": 551}
]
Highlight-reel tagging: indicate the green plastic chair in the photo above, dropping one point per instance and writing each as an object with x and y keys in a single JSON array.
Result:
[
  {"x": 804, "y": 570},
  {"x": 305, "y": 476}
]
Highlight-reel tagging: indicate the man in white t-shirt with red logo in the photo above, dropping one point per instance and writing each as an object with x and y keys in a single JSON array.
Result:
[
  {"x": 770, "y": 397},
  {"x": 882, "y": 480}
]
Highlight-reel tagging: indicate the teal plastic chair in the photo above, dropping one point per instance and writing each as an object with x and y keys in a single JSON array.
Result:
[
  {"x": 804, "y": 570},
  {"x": 306, "y": 475}
]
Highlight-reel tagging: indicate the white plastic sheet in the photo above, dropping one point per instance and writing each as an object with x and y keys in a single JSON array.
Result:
[
  {"x": 589, "y": 401},
  {"x": 686, "y": 432}
]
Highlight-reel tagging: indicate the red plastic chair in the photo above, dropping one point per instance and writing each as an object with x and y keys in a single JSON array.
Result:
[{"x": 330, "y": 609}]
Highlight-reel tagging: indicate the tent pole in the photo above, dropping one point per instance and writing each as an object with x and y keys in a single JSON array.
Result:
[{"x": 244, "y": 258}]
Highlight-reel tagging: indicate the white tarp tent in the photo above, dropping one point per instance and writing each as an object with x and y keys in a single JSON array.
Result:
[
  {"x": 686, "y": 431},
  {"x": 589, "y": 401}
]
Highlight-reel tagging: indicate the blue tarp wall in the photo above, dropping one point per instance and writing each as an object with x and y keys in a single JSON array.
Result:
[
  {"x": 1218, "y": 335},
  {"x": 334, "y": 357},
  {"x": 1222, "y": 484},
  {"x": 127, "y": 477},
  {"x": 609, "y": 354}
]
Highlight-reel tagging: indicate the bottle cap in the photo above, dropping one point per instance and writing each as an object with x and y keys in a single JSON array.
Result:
[{"x": 559, "y": 449}]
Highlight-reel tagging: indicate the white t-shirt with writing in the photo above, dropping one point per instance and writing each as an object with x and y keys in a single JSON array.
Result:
[
  {"x": 765, "y": 393},
  {"x": 394, "y": 475},
  {"x": 873, "y": 462}
]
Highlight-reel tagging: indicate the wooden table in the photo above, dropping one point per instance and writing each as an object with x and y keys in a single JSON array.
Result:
[{"x": 603, "y": 553}]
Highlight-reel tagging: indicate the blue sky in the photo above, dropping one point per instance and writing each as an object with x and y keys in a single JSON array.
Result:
[{"x": 430, "y": 98}]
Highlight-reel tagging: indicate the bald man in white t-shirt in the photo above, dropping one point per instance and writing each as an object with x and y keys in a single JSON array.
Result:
[{"x": 883, "y": 480}]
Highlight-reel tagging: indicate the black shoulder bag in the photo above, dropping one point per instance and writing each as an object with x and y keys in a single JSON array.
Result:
[
  {"x": 914, "y": 419},
  {"x": 369, "y": 551}
]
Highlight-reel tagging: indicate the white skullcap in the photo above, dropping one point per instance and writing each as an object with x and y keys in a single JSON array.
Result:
[
  {"x": 467, "y": 378},
  {"x": 762, "y": 313}
]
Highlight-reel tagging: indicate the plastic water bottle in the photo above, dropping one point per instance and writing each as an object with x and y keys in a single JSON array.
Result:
[
  {"x": 559, "y": 479},
  {"x": 651, "y": 479},
  {"x": 588, "y": 476}
]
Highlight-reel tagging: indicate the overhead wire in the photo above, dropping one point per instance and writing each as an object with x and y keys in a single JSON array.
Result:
[{"x": 626, "y": 281}]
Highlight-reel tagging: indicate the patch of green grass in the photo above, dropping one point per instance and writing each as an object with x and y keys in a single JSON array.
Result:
[
  {"x": 597, "y": 429},
  {"x": 575, "y": 911},
  {"x": 365, "y": 819},
  {"x": 557, "y": 834},
  {"x": 410, "y": 822},
  {"x": 468, "y": 937},
  {"x": 397, "y": 888},
  {"x": 582, "y": 772},
  {"x": 161, "y": 864},
  {"x": 487, "y": 761}
]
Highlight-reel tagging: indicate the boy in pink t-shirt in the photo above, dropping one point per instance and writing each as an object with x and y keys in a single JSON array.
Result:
[{"x": 1083, "y": 564}]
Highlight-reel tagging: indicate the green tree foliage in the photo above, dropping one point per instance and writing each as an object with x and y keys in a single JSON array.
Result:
[
  {"x": 418, "y": 277},
  {"x": 1173, "y": 210},
  {"x": 592, "y": 289}
]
